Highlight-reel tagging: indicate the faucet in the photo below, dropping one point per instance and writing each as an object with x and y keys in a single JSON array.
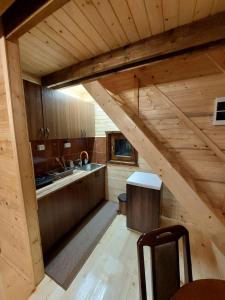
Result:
[{"x": 84, "y": 160}]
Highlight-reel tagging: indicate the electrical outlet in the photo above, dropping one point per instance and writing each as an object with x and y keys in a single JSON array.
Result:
[
  {"x": 67, "y": 145},
  {"x": 41, "y": 147}
]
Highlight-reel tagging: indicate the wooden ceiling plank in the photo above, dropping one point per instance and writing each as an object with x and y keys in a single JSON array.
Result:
[
  {"x": 4, "y": 5},
  {"x": 55, "y": 24},
  {"x": 75, "y": 13},
  {"x": 27, "y": 68},
  {"x": 30, "y": 77},
  {"x": 32, "y": 19},
  {"x": 218, "y": 6},
  {"x": 186, "y": 11},
  {"x": 124, "y": 15},
  {"x": 107, "y": 13},
  {"x": 154, "y": 10},
  {"x": 170, "y": 13},
  {"x": 203, "y": 9},
  {"x": 151, "y": 49},
  {"x": 44, "y": 27},
  {"x": 139, "y": 13},
  {"x": 36, "y": 61},
  {"x": 47, "y": 52},
  {"x": 69, "y": 59},
  {"x": 71, "y": 25},
  {"x": 189, "y": 123},
  {"x": 89, "y": 10}
]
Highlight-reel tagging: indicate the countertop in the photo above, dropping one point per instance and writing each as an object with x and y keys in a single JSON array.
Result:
[
  {"x": 60, "y": 183},
  {"x": 146, "y": 180}
]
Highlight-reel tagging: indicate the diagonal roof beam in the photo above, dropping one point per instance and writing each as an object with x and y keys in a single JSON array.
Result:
[{"x": 177, "y": 179}]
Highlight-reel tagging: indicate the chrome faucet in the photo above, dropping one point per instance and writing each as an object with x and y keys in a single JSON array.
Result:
[{"x": 84, "y": 160}]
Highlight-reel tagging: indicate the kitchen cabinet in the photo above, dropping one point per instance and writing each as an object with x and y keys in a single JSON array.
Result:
[
  {"x": 34, "y": 110},
  {"x": 62, "y": 210},
  {"x": 54, "y": 115}
]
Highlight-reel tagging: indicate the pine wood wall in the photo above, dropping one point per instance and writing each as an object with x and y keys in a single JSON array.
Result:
[
  {"x": 21, "y": 264},
  {"x": 176, "y": 101}
]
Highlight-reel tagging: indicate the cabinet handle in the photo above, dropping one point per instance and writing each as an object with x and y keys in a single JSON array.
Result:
[
  {"x": 42, "y": 131},
  {"x": 47, "y": 130}
]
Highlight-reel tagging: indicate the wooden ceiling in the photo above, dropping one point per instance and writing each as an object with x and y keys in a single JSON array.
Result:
[{"x": 82, "y": 29}]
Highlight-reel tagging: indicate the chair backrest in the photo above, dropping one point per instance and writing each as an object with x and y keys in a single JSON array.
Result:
[{"x": 165, "y": 266}]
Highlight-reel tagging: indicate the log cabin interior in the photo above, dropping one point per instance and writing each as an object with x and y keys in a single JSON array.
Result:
[{"x": 112, "y": 140}]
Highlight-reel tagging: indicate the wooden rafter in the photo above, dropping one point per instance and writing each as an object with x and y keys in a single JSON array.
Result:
[
  {"x": 171, "y": 43},
  {"x": 23, "y": 15},
  {"x": 4, "y": 5},
  {"x": 177, "y": 179}
]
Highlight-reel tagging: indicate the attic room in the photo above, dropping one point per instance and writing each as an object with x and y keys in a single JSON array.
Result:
[{"x": 112, "y": 149}]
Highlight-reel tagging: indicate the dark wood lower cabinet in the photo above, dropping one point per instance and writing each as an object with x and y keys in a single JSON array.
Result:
[
  {"x": 143, "y": 208},
  {"x": 62, "y": 210}
]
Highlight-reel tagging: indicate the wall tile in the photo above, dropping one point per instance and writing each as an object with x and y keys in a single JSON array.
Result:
[{"x": 45, "y": 160}]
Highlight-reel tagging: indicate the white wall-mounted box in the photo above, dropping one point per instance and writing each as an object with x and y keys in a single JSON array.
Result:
[
  {"x": 41, "y": 147},
  {"x": 67, "y": 145},
  {"x": 219, "y": 111}
]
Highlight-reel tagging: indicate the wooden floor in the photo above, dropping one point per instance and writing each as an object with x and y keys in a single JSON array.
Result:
[{"x": 109, "y": 273}]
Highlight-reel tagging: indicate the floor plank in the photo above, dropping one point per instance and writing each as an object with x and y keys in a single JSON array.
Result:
[{"x": 109, "y": 273}]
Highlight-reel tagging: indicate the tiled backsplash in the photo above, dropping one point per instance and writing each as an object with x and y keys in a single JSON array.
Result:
[{"x": 45, "y": 160}]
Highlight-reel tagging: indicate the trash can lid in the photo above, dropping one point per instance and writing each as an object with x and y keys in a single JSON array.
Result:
[{"x": 122, "y": 197}]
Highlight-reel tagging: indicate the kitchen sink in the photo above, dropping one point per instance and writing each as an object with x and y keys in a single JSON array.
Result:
[
  {"x": 89, "y": 167},
  {"x": 61, "y": 173}
]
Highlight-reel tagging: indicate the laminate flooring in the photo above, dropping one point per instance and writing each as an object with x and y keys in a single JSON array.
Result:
[{"x": 110, "y": 272}]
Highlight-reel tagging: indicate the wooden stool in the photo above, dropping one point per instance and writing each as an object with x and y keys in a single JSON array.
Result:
[
  {"x": 204, "y": 289},
  {"x": 122, "y": 203}
]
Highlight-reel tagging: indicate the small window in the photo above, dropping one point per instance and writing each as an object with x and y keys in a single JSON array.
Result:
[
  {"x": 219, "y": 113},
  {"x": 119, "y": 149}
]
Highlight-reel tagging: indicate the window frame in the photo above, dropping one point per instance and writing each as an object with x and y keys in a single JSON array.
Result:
[{"x": 111, "y": 136}]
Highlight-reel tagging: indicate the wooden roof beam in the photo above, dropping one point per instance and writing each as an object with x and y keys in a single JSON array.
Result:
[
  {"x": 198, "y": 35},
  {"x": 4, "y": 5},
  {"x": 23, "y": 15}
]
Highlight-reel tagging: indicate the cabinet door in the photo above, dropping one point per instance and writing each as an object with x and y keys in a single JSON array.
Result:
[
  {"x": 86, "y": 119},
  {"x": 56, "y": 114},
  {"x": 81, "y": 118},
  {"x": 98, "y": 184},
  {"x": 34, "y": 111}
]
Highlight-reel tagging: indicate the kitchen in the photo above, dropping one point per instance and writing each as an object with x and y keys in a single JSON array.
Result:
[
  {"x": 73, "y": 198},
  {"x": 69, "y": 135}
]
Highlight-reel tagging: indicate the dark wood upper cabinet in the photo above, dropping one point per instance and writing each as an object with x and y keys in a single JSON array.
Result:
[
  {"x": 34, "y": 110},
  {"x": 54, "y": 115}
]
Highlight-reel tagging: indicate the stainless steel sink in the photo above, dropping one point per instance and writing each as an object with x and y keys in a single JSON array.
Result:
[
  {"x": 89, "y": 167},
  {"x": 58, "y": 174}
]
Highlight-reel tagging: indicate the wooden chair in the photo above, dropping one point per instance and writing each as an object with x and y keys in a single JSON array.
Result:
[{"x": 165, "y": 263}]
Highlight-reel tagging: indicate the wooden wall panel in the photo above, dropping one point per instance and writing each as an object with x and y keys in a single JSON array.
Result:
[
  {"x": 116, "y": 174},
  {"x": 194, "y": 96},
  {"x": 21, "y": 261}
]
